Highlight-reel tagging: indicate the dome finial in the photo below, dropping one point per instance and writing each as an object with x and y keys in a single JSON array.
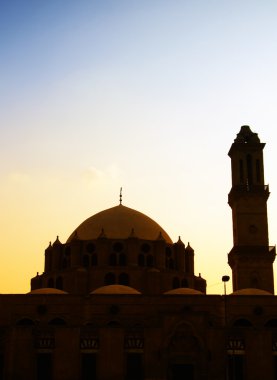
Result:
[{"x": 120, "y": 196}]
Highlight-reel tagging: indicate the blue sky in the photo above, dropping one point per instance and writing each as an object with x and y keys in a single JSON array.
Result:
[{"x": 148, "y": 95}]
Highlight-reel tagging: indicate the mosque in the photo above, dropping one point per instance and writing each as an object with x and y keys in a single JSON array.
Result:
[{"x": 119, "y": 300}]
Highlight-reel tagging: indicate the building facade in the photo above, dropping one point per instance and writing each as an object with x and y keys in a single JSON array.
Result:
[{"x": 119, "y": 300}]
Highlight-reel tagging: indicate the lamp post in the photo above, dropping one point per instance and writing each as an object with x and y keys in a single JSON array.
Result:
[{"x": 224, "y": 280}]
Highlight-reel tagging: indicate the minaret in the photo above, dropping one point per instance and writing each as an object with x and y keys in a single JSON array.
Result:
[{"x": 251, "y": 258}]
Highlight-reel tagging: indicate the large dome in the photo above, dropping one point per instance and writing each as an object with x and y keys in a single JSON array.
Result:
[{"x": 119, "y": 222}]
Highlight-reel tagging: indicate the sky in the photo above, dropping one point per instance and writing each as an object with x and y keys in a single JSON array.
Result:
[{"x": 145, "y": 95}]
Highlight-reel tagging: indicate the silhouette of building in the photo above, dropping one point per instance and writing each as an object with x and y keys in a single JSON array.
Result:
[{"x": 119, "y": 300}]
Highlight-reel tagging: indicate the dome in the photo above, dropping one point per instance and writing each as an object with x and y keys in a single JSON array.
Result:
[
  {"x": 47, "y": 291},
  {"x": 183, "y": 292},
  {"x": 115, "y": 289},
  {"x": 251, "y": 292},
  {"x": 119, "y": 222}
]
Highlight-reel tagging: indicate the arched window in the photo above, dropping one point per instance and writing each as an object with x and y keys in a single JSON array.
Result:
[
  {"x": 94, "y": 259},
  {"x": 187, "y": 263},
  {"x": 171, "y": 263},
  {"x": 149, "y": 260},
  {"x": 113, "y": 260},
  {"x": 241, "y": 174},
  {"x": 86, "y": 261},
  {"x": 141, "y": 261},
  {"x": 249, "y": 169},
  {"x": 49, "y": 261},
  {"x": 242, "y": 322},
  {"x": 117, "y": 247},
  {"x": 50, "y": 283},
  {"x": 25, "y": 322},
  {"x": 272, "y": 323},
  {"x": 59, "y": 283},
  {"x": 109, "y": 278},
  {"x": 175, "y": 283},
  {"x": 185, "y": 283},
  {"x": 64, "y": 263},
  {"x": 145, "y": 248},
  {"x": 258, "y": 171},
  {"x": 90, "y": 248},
  {"x": 123, "y": 279},
  {"x": 67, "y": 251},
  {"x": 122, "y": 259},
  {"x": 57, "y": 321}
]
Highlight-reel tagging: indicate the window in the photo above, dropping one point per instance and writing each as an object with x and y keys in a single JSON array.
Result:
[
  {"x": 25, "y": 322},
  {"x": 122, "y": 259},
  {"x": 94, "y": 259},
  {"x": 141, "y": 261},
  {"x": 123, "y": 279},
  {"x": 258, "y": 171},
  {"x": 185, "y": 283},
  {"x": 110, "y": 279},
  {"x": 187, "y": 263},
  {"x": 149, "y": 260},
  {"x": 249, "y": 169},
  {"x": 59, "y": 283},
  {"x": 86, "y": 261},
  {"x": 145, "y": 248},
  {"x": 242, "y": 322},
  {"x": 90, "y": 248},
  {"x": 241, "y": 176},
  {"x": 50, "y": 283},
  {"x": 272, "y": 323},
  {"x": 176, "y": 283},
  {"x": 57, "y": 322},
  {"x": 113, "y": 260},
  {"x": 117, "y": 247},
  {"x": 169, "y": 262}
]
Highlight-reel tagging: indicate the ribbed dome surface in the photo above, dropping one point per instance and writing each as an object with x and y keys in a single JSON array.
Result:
[{"x": 119, "y": 222}]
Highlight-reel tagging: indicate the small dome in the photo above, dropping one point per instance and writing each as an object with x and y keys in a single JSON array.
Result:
[
  {"x": 251, "y": 292},
  {"x": 183, "y": 292},
  {"x": 115, "y": 289},
  {"x": 47, "y": 291},
  {"x": 118, "y": 223}
]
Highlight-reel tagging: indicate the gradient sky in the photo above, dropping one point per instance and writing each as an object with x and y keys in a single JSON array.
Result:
[{"x": 148, "y": 95}]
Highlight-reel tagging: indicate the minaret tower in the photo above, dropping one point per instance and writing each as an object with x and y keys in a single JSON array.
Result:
[{"x": 251, "y": 258}]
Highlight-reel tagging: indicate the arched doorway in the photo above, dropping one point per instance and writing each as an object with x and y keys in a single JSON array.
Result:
[{"x": 186, "y": 357}]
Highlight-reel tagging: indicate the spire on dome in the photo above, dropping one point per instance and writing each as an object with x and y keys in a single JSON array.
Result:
[
  {"x": 160, "y": 236},
  {"x": 132, "y": 234},
  {"x": 102, "y": 234},
  {"x": 75, "y": 235}
]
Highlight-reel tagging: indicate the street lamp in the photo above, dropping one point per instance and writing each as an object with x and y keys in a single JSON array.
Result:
[{"x": 225, "y": 279}]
